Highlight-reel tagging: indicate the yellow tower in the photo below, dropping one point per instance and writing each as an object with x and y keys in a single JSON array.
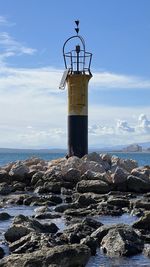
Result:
[{"x": 77, "y": 76}]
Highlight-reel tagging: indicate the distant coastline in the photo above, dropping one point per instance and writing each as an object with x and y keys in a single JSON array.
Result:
[{"x": 64, "y": 151}]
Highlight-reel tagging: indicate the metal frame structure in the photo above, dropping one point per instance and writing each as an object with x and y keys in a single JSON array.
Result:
[{"x": 77, "y": 57}]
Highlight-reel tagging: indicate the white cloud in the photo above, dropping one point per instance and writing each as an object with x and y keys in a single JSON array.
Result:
[
  {"x": 10, "y": 47},
  {"x": 121, "y": 133},
  {"x": 123, "y": 126},
  {"x": 4, "y": 21},
  {"x": 118, "y": 81},
  {"x": 143, "y": 124}
]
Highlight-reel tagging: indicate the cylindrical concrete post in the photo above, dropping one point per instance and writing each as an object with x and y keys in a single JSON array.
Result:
[{"x": 78, "y": 114}]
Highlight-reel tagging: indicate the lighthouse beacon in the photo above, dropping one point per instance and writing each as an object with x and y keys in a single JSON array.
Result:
[{"x": 77, "y": 75}]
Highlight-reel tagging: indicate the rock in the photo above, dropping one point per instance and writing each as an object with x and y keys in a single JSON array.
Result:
[
  {"x": 86, "y": 200},
  {"x": 100, "y": 232},
  {"x": 65, "y": 255},
  {"x": 126, "y": 164},
  {"x": 106, "y": 157},
  {"x": 19, "y": 186},
  {"x": 90, "y": 175},
  {"x": 49, "y": 228},
  {"x": 4, "y": 177},
  {"x": 63, "y": 207},
  {"x": 119, "y": 176},
  {"x": 146, "y": 251},
  {"x": 92, "y": 166},
  {"x": 72, "y": 175},
  {"x": 143, "y": 222},
  {"x": 49, "y": 188},
  {"x": 16, "y": 232},
  {"x": 5, "y": 189},
  {"x": 95, "y": 186},
  {"x": 118, "y": 201},
  {"x": 92, "y": 157},
  {"x": 104, "y": 229},
  {"x": 72, "y": 162},
  {"x": 23, "y": 225},
  {"x": 47, "y": 215},
  {"x": 4, "y": 216},
  {"x": 42, "y": 209},
  {"x": 95, "y": 157},
  {"x": 78, "y": 212},
  {"x": 140, "y": 203},
  {"x": 2, "y": 253},
  {"x": 91, "y": 243},
  {"x": 142, "y": 172},
  {"x": 92, "y": 223},
  {"x": 135, "y": 184},
  {"x": 36, "y": 177},
  {"x": 19, "y": 171},
  {"x": 122, "y": 242},
  {"x": 55, "y": 199}
]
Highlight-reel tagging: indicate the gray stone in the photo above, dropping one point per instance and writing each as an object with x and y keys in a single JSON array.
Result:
[
  {"x": 122, "y": 242},
  {"x": 143, "y": 222},
  {"x": 19, "y": 170},
  {"x": 5, "y": 189},
  {"x": 72, "y": 175},
  {"x": 4, "y": 216},
  {"x": 65, "y": 255},
  {"x": 95, "y": 186},
  {"x": 92, "y": 166},
  {"x": 15, "y": 232},
  {"x": 119, "y": 176},
  {"x": 135, "y": 184}
]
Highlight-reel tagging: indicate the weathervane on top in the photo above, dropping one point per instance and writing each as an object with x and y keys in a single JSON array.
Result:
[
  {"x": 77, "y": 75},
  {"x": 77, "y": 23}
]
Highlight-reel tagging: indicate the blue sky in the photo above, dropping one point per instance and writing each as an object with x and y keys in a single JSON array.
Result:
[{"x": 33, "y": 112}]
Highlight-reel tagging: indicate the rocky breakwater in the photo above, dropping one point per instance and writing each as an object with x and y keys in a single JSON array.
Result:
[{"x": 78, "y": 191}]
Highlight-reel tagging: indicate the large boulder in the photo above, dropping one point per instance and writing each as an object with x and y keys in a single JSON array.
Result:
[
  {"x": 72, "y": 162},
  {"x": 72, "y": 175},
  {"x": 65, "y": 255},
  {"x": 92, "y": 166},
  {"x": 119, "y": 176},
  {"x": 126, "y": 164},
  {"x": 23, "y": 225},
  {"x": 19, "y": 171},
  {"x": 94, "y": 186},
  {"x": 91, "y": 175},
  {"x": 49, "y": 187},
  {"x": 138, "y": 185},
  {"x": 100, "y": 159},
  {"x": 143, "y": 222},
  {"x": 118, "y": 201},
  {"x": 122, "y": 242},
  {"x": 4, "y": 216},
  {"x": 142, "y": 172},
  {"x": 15, "y": 232}
]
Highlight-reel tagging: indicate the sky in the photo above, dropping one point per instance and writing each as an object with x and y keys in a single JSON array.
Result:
[{"x": 33, "y": 111}]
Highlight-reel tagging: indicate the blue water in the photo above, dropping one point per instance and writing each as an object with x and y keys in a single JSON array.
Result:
[{"x": 141, "y": 158}]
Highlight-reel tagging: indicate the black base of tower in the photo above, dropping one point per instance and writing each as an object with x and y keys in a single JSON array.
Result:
[{"x": 77, "y": 135}]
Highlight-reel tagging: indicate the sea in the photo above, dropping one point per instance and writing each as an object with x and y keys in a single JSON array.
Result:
[{"x": 5, "y": 157}]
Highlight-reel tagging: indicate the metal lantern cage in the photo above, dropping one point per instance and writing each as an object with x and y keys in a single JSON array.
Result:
[{"x": 77, "y": 61}]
